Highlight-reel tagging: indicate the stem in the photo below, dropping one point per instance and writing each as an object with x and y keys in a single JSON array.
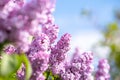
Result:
[
  {"x": 1, "y": 47},
  {"x": 47, "y": 78}
]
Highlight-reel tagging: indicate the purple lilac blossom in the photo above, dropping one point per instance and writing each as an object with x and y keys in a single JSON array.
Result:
[
  {"x": 58, "y": 53},
  {"x": 84, "y": 66},
  {"x": 103, "y": 70},
  {"x": 9, "y": 49},
  {"x": 39, "y": 43},
  {"x": 80, "y": 67},
  {"x": 52, "y": 31},
  {"x": 17, "y": 20},
  {"x": 57, "y": 68},
  {"x": 39, "y": 64},
  {"x": 66, "y": 74},
  {"x": 21, "y": 73}
]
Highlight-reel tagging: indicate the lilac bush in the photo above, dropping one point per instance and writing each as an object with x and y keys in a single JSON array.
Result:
[{"x": 28, "y": 31}]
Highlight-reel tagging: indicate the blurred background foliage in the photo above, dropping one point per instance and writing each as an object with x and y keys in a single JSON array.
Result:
[{"x": 111, "y": 39}]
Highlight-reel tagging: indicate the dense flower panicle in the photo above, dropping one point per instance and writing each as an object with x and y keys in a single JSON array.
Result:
[
  {"x": 58, "y": 51},
  {"x": 17, "y": 19},
  {"x": 9, "y": 49},
  {"x": 11, "y": 5},
  {"x": 51, "y": 31},
  {"x": 103, "y": 70},
  {"x": 50, "y": 28},
  {"x": 57, "y": 68},
  {"x": 39, "y": 64},
  {"x": 63, "y": 45},
  {"x": 39, "y": 43},
  {"x": 58, "y": 54},
  {"x": 39, "y": 9},
  {"x": 68, "y": 75},
  {"x": 80, "y": 67},
  {"x": 21, "y": 73},
  {"x": 84, "y": 65},
  {"x": 5, "y": 28}
]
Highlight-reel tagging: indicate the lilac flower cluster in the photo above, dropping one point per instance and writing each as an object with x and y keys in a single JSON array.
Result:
[
  {"x": 80, "y": 67},
  {"x": 39, "y": 43},
  {"x": 11, "y": 29},
  {"x": 51, "y": 31},
  {"x": 39, "y": 64},
  {"x": 103, "y": 70},
  {"x": 9, "y": 49},
  {"x": 58, "y": 53},
  {"x": 19, "y": 22}
]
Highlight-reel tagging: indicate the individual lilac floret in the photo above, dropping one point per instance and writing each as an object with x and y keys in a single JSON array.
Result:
[
  {"x": 51, "y": 31},
  {"x": 103, "y": 70},
  {"x": 39, "y": 43},
  {"x": 39, "y": 64},
  {"x": 9, "y": 49}
]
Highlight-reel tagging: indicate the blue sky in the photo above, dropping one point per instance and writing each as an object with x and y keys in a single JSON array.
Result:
[
  {"x": 85, "y": 29},
  {"x": 68, "y": 15}
]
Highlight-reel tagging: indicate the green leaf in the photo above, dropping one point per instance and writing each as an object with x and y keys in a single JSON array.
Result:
[
  {"x": 9, "y": 64},
  {"x": 27, "y": 65}
]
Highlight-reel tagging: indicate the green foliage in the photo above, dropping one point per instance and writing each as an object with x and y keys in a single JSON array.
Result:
[
  {"x": 112, "y": 41},
  {"x": 50, "y": 76},
  {"x": 9, "y": 65},
  {"x": 26, "y": 62}
]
